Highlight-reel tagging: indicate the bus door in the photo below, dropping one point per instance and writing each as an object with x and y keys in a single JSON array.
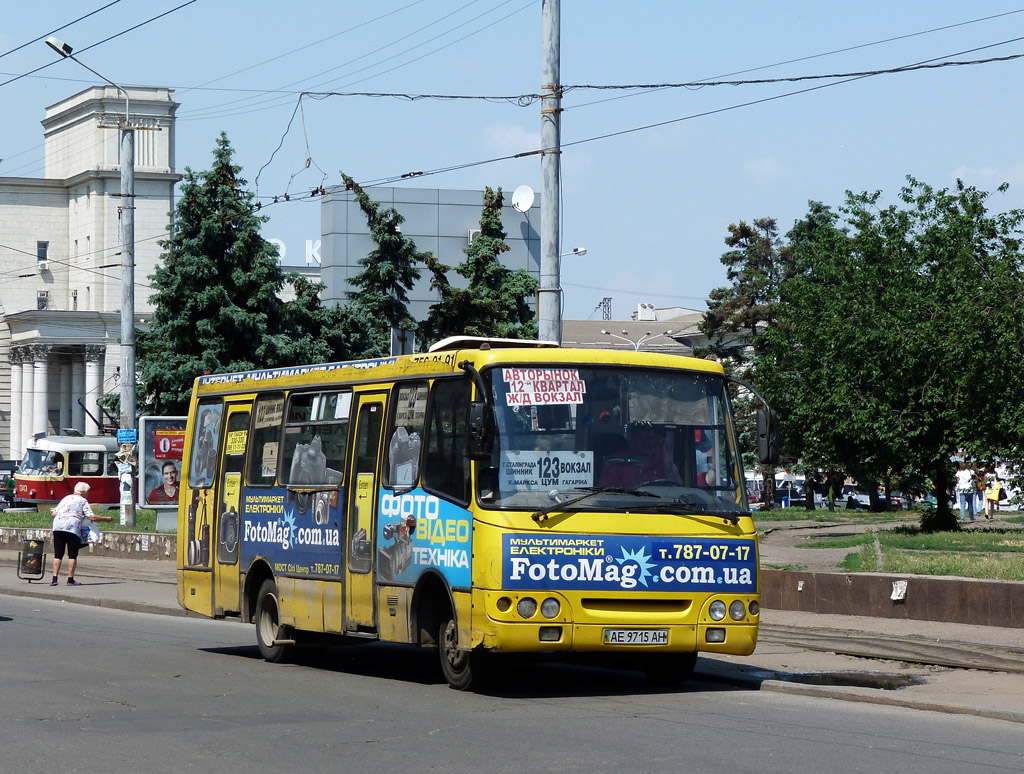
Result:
[
  {"x": 226, "y": 522},
  {"x": 196, "y": 514},
  {"x": 363, "y": 489}
]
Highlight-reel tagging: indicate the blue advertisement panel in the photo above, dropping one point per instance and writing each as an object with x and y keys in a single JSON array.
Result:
[
  {"x": 297, "y": 532},
  {"x": 628, "y": 563},
  {"x": 417, "y": 531}
]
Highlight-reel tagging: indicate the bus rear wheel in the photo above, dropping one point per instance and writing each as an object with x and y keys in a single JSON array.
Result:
[
  {"x": 268, "y": 623},
  {"x": 463, "y": 669}
]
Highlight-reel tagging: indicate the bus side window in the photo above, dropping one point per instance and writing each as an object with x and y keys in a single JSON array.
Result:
[
  {"x": 404, "y": 436},
  {"x": 315, "y": 435},
  {"x": 265, "y": 440},
  {"x": 446, "y": 469}
]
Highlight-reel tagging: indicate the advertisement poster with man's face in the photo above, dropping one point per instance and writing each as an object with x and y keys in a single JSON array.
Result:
[{"x": 162, "y": 444}]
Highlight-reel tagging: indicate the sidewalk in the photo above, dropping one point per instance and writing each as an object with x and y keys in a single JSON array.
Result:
[{"x": 798, "y": 653}]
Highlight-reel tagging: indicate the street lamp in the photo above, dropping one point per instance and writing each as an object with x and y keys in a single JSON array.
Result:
[
  {"x": 577, "y": 251},
  {"x": 639, "y": 342},
  {"x": 127, "y": 212}
]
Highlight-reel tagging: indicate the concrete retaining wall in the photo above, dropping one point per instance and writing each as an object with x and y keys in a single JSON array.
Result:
[
  {"x": 130, "y": 545},
  {"x": 926, "y": 598}
]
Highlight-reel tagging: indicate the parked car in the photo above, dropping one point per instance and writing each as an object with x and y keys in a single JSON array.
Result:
[
  {"x": 862, "y": 497},
  {"x": 790, "y": 491}
]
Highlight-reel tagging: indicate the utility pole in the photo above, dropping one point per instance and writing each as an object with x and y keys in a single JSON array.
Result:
[
  {"x": 127, "y": 215},
  {"x": 549, "y": 310},
  {"x": 128, "y": 302}
]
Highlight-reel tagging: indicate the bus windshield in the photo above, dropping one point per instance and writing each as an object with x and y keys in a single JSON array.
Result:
[
  {"x": 642, "y": 440},
  {"x": 38, "y": 462}
]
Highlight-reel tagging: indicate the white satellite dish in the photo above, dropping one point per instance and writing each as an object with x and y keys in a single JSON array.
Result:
[{"x": 522, "y": 198}]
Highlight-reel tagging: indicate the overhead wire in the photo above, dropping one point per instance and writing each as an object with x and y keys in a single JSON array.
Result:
[
  {"x": 58, "y": 29},
  {"x": 101, "y": 42},
  {"x": 217, "y": 110},
  {"x": 713, "y": 111},
  {"x": 303, "y": 48},
  {"x": 848, "y": 77},
  {"x": 823, "y": 54},
  {"x": 525, "y": 100},
  {"x": 205, "y": 112}
]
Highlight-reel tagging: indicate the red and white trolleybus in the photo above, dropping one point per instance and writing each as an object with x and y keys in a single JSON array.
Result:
[{"x": 53, "y": 464}]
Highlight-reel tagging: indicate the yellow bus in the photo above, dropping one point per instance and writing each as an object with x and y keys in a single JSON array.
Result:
[{"x": 482, "y": 498}]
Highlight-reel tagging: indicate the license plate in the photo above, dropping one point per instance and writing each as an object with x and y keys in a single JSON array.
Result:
[{"x": 636, "y": 636}]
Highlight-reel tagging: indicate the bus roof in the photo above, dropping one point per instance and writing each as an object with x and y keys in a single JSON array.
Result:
[
  {"x": 446, "y": 360},
  {"x": 477, "y": 342},
  {"x": 74, "y": 442}
]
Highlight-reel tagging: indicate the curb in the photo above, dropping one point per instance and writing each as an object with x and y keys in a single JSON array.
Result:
[
  {"x": 875, "y": 696},
  {"x": 111, "y": 604},
  {"x": 783, "y": 686}
]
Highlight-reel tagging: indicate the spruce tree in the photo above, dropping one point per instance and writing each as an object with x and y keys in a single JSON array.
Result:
[
  {"x": 217, "y": 296},
  {"x": 389, "y": 273},
  {"x": 494, "y": 302}
]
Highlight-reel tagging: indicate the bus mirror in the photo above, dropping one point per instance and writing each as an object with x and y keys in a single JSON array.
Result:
[
  {"x": 768, "y": 444},
  {"x": 479, "y": 431}
]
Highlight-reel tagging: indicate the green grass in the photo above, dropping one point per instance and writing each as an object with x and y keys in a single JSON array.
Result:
[
  {"x": 986, "y": 554},
  {"x": 911, "y": 539},
  {"x": 821, "y": 515},
  {"x": 844, "y": 541},
  {"x": 145, "y": 520},
  {"x": 986, "y": 566}
]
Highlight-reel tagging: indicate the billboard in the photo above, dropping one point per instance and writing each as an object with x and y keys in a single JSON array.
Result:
[{"x": 161, "y": 447}]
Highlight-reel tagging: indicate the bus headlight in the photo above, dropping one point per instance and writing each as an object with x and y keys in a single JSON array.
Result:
[
  {"x": 717, "y": 610},
  {"x": 737, "y": 610},
  {"x": 550, "y": 608},
  {"x": 754, "y": 608},
  {"x": 527, "y": 607}
]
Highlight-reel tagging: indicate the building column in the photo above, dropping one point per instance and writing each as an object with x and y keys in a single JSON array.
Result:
[
  {"x": 16, "y": 357},
  {"x": 40, "y": 388},
  {"x": 78, "y": 393},
  {"x": 93, "y": 386},
  {"x": 65, "y": 395},
  {"x": 26, "y": 395}
]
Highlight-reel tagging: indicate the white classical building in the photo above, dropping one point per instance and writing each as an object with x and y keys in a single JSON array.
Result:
[{"x": 60, "y": 259}]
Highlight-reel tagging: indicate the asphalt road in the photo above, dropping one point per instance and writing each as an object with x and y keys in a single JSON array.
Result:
[{"x": 97, "y": 690}]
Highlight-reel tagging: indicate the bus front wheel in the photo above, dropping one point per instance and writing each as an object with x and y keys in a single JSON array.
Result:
[
  {"x": 463, "y": 669},
  {"x": 269, "y": 631}
]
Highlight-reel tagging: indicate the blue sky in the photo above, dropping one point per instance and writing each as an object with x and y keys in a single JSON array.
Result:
[{"x": 652, "y": 206}]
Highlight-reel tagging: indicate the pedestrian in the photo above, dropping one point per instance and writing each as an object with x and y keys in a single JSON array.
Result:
[
  {"x": 67, "y": 524},
  {"x": 980, "y": 484},
  {"x": 965, "y": 488},
  {"x": 992, "y": 497}
]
